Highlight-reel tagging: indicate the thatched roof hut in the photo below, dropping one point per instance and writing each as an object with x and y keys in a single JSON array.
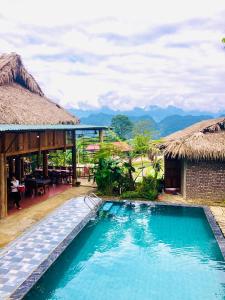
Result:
[
  {"x": 204, "y": 140},
  {"x": 21, "y": 98}
]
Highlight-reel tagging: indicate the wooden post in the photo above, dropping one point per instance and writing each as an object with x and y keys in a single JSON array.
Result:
[
  {"x": 11, "y": 167},
  {"x": 101, "y": 136},
  {"x": 45, "y": 164},
  {"x": 74, "y": 160},
  {"x": 3, "y": 186},
  {"x": 38, "y": 159},
  {"x": 22, "y": 167},
  {"x": 18, "y": 168}
]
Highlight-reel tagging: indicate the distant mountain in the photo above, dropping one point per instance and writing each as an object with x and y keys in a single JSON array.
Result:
[
  {"x": 97, "y": 119},
  {"x": 163, "y": 128},
  {"x": 174, "y": 123},
  {"x": 105, "y": 119},
  {"x": 153, "y": 111},
  {"x": 164, "y": 120}
]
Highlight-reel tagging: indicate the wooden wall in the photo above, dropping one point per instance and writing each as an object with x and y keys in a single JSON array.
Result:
[{"x": 28, "y": 142}]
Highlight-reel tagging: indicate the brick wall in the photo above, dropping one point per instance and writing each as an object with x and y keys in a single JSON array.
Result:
[{"x": 205, "y": 180}]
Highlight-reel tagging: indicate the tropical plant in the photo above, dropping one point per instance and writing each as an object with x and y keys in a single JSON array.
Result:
[
  {"x": 147, "y": 189},
  {"x": 107, "y": 150},
  {"x": 60, "y": 158},
  {"x": 111, "y": 176},
  {"x": 157, "y": 166},
  {"x": 122, "y": 126},
  {"x": 140, "y": 145}
]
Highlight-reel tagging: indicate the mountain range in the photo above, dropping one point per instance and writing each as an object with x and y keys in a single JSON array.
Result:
[{"x": 164, "y": 121}]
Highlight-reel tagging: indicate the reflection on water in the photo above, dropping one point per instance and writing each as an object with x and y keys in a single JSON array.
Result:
[{"x": 160, "y": 252}]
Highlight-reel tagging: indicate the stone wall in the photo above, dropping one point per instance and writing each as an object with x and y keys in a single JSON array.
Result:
[{"x": 205, "y": 180}]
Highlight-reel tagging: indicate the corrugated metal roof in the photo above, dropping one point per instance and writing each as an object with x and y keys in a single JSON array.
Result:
[{"x": 17, "y": 127}]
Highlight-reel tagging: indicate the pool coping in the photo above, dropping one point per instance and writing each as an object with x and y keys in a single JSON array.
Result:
[
  {"x": 27, "y": 285},
  {"x": 217, "y": 232},
  {"x": 32, "y": 279},
  {"x": 21, "y": 290}
]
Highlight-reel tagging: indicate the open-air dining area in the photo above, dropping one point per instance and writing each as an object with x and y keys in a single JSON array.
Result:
[
  {"x": 37, "y": 186},
  {"x": 33, "y": 130},
  {"x": 26, "y": 157}
]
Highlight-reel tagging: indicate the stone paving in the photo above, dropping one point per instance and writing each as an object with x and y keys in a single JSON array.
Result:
[
  {"x": 14, "y": 225},
  {"x": 24, "y": 260}
]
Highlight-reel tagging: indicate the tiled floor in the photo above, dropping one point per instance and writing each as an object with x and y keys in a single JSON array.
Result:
[
  {"x": 32, "y": 200},
  {"x": 15, "y": 224},
  {"x": 26, "y": 258}
]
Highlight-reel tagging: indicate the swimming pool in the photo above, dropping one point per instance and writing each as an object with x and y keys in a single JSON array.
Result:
[{"x": 141, "y": 252}]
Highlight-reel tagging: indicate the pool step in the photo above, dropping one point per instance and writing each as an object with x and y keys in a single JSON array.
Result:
[
  {"x": 106, "y": 207},
  {"x": 114, "y": 209}
]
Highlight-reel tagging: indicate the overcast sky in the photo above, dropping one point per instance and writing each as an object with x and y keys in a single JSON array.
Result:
[{"x": 121, "y": 53}]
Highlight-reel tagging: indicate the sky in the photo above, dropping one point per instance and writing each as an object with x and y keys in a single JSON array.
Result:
[{"x": 121, "y": 53}]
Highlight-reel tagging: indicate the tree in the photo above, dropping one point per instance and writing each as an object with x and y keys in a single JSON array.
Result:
[
  {"x": 142, "y": 137},
  {"x": 122, "y": 126},
  {"x": 141, "y": 147},
  {"x": 144, "y": 128},
  {"x": 60, "y": 158},
  {"x": 106, "y": 151}
]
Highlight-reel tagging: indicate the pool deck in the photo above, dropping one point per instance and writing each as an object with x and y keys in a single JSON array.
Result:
[
  {"x": 20, "y": 221},
  {"x": 219, "y": 214},
  {"x": 25, "y": 259}
]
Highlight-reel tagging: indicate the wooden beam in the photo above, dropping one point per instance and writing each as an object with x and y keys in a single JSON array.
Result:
[
  {"x": 22, "y": 168},
  {"x": 11, "y": 166},
  {"x": 74, "y": 160},
  {"x": 45, "y": 164},
  {"x": 101, "y": 136},
  {"x": 38, "y": 158},
  {"x": 14, "y": 139},
  {"x": 3, "y": 186},
  {"x": 18, "y": 168},
  {"x": 35, "y": 150}
]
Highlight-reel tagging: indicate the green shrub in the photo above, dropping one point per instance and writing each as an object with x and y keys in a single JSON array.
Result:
[
  {"x": 147, "y": 189},
  {"x": 131, "y": 195},
  {"x": 150, "y": 195},
  {"x": 112, "y": 176}
]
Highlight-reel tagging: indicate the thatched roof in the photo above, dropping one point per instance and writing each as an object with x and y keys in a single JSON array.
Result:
[
  {"x": 203, "y": 140},
  {"x": 21, "y": 98},
  {"x": 121, "y": 146}
]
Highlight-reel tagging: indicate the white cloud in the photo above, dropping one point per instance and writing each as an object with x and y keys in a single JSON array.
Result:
[{"x": 121, "y": 53}]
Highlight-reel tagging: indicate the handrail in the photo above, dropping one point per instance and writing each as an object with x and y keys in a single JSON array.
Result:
[{"x": 91, "y": 197}]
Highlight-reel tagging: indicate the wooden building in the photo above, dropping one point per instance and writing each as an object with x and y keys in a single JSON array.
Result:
[
  {"x": 195, "y": 160},
  {"x": 30, "y": 123}
]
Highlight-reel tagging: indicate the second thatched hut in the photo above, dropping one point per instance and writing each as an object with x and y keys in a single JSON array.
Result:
[{"x": 195, "y": 160}]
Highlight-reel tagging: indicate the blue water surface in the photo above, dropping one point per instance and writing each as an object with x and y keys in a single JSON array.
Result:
[{"x": 144, "y": 253}]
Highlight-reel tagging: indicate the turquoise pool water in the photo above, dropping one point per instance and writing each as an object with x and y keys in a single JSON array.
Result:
[{"x": 144, "y": 253}]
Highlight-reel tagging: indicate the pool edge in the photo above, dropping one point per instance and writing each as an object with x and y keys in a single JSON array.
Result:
[
  {"x": 217, "y": 232},
  {"x": 215, "y": 229},
  {"x": 27, "y": 285}
]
